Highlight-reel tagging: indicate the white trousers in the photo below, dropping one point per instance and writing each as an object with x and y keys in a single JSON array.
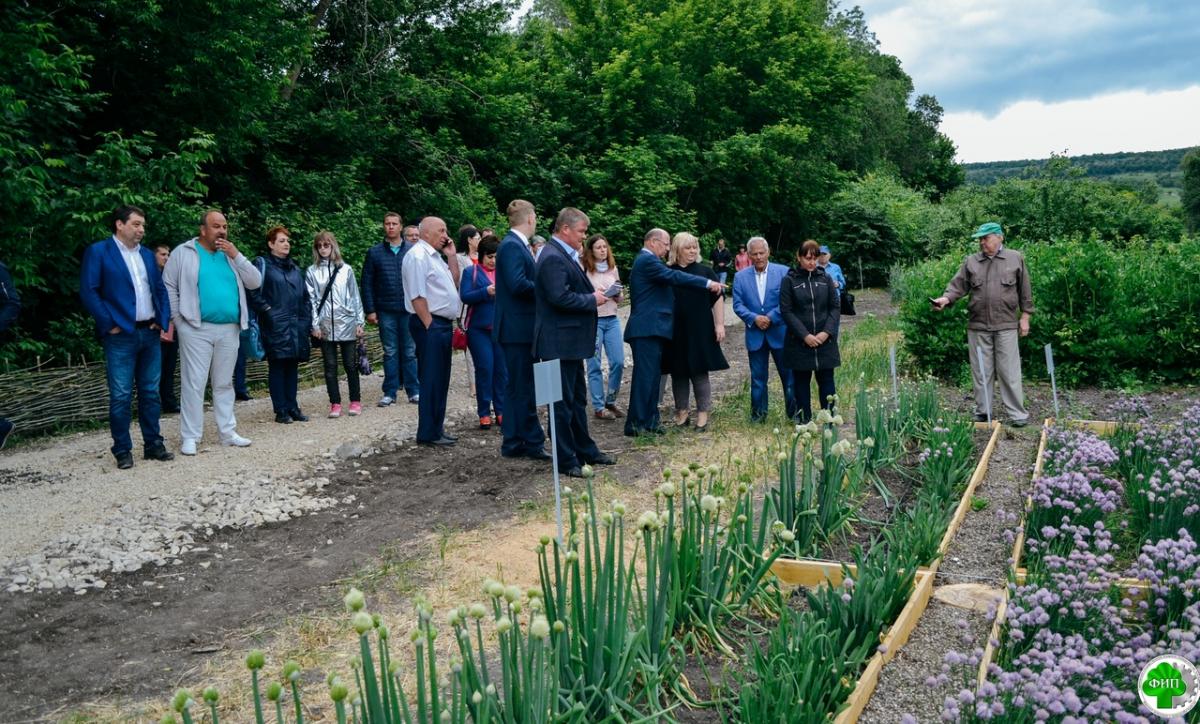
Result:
[
  {"x": 1002, "y": 359},
  {"x": 208, "y": 351}
]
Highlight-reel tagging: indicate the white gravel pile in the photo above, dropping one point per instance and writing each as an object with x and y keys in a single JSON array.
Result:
[{"x": 160, "y": 530}]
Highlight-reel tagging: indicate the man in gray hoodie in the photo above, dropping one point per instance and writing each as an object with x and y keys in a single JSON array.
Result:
[{"x": 206, "y": 279}]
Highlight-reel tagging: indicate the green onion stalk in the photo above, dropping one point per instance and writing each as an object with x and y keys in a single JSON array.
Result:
[
  {"x": 291, "y": 674},
  {"x": 586, "y": 587},
  {"x": 255, "y": 660},
  {"x": 211, "y": 697}
]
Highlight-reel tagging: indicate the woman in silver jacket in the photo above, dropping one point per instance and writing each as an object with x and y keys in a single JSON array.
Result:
[{"x": 337, "y": 314}]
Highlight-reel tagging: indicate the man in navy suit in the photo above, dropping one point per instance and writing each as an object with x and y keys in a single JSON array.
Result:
[
  {"x": 122, "y": 288},
  {"x": 756, "y": 302},
  {"x": 512, "y": 327},
  {"x": 651, "y": 325},
  {"x": 564, "y": 328}
]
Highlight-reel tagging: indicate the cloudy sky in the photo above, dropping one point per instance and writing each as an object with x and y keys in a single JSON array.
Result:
[{"x": 1024, "y": 78}]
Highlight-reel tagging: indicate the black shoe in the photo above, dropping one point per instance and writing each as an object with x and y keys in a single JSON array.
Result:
[
  {"x": 1019, "y": 423},
  {"x": 440, "y": 442},
  {"x": 6, "y": 428},
  {"x": 603, "y": 459},
  {"x": 575, "y": 472},
  {"x": 981, "y": 418},
  {"x": 283, "y": 418},
  {"x": 298, "y": 416},
  {"x": 124, "y": 460},
  {"x": 158, "y": 452},
  {"x": 242, "y": 396},
  {"x": 538, "y": 454},
  {"x": 448, "y": 436}
]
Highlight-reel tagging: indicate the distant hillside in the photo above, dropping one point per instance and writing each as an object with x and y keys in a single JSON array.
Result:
[{"x": 1105, "y": 166}]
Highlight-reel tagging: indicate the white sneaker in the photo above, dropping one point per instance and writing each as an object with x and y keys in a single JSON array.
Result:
[
  {"x": 187, "y": 447},
  {"x": 385, "y": 401},
  {"x": 236, "y": 440}
]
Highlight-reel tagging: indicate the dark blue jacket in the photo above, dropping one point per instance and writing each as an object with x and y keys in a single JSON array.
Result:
[
  {"x": 565, "y": 324},
  {"x": 473, "y": 291},
  {"x": 107, "y": 290},
  {"x": 515, "y": 299},
  {"x": 382, "y": 282},
  {"x": 10, "y": 301},
  {"x": 652, "y": 300},
  {"x": 284, "y": 309}
]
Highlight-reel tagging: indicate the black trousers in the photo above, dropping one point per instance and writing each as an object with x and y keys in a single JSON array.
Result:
[
  {"x": 283, "y": 378},
  {"x": 644, "y": 388},
  {"x": 521, "y": 428},
  {"x": 433, "y": 369},
  {"x": 573, "y": 440},
  {"x": 166, "y": 381},
  {"x": 802, "y": 391},
  {"x": 329, "y": 356}
]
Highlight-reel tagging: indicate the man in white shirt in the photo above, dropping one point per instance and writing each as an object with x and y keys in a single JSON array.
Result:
[
  {"x": 122, "y": 289},
  {"x": 756, "y": 302},
  {"x": 431, "y": 297}
]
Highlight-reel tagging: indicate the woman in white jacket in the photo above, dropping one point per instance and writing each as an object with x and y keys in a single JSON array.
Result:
[{"x": 337, "y": 314}]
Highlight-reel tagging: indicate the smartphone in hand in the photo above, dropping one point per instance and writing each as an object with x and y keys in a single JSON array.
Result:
[{"x": 613, "y": 290}]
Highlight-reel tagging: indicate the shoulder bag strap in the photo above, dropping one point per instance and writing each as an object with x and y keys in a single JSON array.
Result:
[{"x": 328, "y": 288}]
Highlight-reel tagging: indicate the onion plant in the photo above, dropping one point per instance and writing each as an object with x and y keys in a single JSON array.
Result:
[{"x": 820, "y": 483}]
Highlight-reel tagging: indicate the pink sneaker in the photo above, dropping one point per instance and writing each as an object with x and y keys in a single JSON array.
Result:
[
  {"x": 355, "y": 408},
  {"x": 335, "y": 410}
]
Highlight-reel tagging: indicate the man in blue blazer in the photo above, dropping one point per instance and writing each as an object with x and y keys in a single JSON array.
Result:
[
  {"x": 756, "y": 302},
  {"x": 564, "y": 328},
  {"x": 651, "y": 325},
  {"x": 512, "y": 328},
  {"x": 122, "y": 288}
]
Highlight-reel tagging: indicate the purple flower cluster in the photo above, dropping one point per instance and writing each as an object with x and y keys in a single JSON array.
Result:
[
  {"x": 1162, "y": 481},
  {"x": 1171, "y": 569}
]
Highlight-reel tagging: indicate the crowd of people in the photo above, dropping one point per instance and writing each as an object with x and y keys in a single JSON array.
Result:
[{"x": 507, "y": 302}]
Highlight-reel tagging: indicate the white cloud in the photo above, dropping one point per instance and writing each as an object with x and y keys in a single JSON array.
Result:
[{"x": 1125, "y": 121}]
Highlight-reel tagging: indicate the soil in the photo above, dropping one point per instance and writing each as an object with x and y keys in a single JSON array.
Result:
[{"x": 142, "y": 635}]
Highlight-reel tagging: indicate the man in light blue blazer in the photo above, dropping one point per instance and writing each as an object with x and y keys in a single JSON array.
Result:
[
  {"x": 756, "y": 303},
  {"x": 122, "y": 289}
]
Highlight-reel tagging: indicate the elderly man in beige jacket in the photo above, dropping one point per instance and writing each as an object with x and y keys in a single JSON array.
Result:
[{"x": 1001, "y": 301}]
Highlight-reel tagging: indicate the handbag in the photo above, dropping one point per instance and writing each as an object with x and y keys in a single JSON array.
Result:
[
  {"x": 848, "y": 304},
  {"x": 458, "y": 340},
  {"x": 364, "y": 362},
  {"x": 251, "y": 336}
]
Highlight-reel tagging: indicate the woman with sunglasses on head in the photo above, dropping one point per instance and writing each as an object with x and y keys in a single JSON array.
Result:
[
  {"x": 808, "y": 303},
  {"x": 337, "y": 314}
]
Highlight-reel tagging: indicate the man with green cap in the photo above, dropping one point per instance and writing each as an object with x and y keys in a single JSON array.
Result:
[{"x": 1001, "y": 301}]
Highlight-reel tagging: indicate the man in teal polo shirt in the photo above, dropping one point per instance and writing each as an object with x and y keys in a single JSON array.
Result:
[{"x": 206, "y": 279}]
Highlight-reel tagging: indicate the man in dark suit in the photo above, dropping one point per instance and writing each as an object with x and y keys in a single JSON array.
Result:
[
  {"x": 122, "y": 288},
  {"x": 564, "y": 328},
  {"x": 756, "y": 302},
  {"x": 651, "y": 325},
  {"x": 512, "y": 327}
]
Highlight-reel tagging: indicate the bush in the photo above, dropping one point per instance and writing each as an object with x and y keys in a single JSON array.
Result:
[{"x": 1116, "y": 316}]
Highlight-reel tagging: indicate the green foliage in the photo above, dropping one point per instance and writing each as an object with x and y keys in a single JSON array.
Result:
[
  {"x": 1190, "y": 197},
  {"x": 1114, "y": 315},
  {"x": 1097, "y": 165}
]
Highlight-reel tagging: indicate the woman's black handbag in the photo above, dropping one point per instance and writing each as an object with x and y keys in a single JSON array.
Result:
[
  {"x": 848, "y": 304},
  {"x": 364, "y": 362}
]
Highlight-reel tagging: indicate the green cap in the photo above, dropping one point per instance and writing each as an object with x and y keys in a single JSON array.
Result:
[{"x": 990, "y": 227}]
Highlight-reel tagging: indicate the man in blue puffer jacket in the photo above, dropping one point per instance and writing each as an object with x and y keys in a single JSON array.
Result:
[{"x": 383, "y": 303}]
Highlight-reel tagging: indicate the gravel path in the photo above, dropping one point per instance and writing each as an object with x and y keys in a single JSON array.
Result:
[{"x": 979, "y": 553}]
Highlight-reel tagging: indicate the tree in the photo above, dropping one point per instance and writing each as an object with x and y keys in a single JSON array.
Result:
[{"x": 1190, "y": 196}]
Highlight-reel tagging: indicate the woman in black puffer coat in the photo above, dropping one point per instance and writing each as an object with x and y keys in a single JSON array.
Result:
[
  {"x": 808, "y": 302},
  {"x": 285, "y": 320}
]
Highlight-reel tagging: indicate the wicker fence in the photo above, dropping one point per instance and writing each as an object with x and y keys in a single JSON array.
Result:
[{"x": 44, "y": 399}]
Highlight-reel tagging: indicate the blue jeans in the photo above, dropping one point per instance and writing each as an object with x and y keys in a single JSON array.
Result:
[
  {"x": 721, "y": 277},
  {"x": 491, "y": 375},
  {"x": 608, "y": 338},
  {"x": 399, "y": 354},
  {"x": 133, "y": 359},
  {"x": 759, "y": 369}
]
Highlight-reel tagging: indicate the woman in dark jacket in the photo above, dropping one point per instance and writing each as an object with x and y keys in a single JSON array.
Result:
[
  {"x": 477, "y": 289},
  {"x": 695, "y": 348},
  {"x": 285, "y": 320},
  {"x": 808, "y": 302}
]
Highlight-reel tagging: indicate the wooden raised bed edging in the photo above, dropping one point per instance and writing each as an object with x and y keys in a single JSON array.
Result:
[
  {"x": 1132, "y": 587},
  {"x": 815, "y": 572}
]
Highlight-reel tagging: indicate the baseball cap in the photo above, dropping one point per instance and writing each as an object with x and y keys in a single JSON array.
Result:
[
  {"x": 824, "y": 249},
  {"x": 990, "y": 227}
]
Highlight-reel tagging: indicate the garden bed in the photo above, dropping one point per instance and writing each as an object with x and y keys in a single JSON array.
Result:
[{"x": 1075, "y": 597}]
